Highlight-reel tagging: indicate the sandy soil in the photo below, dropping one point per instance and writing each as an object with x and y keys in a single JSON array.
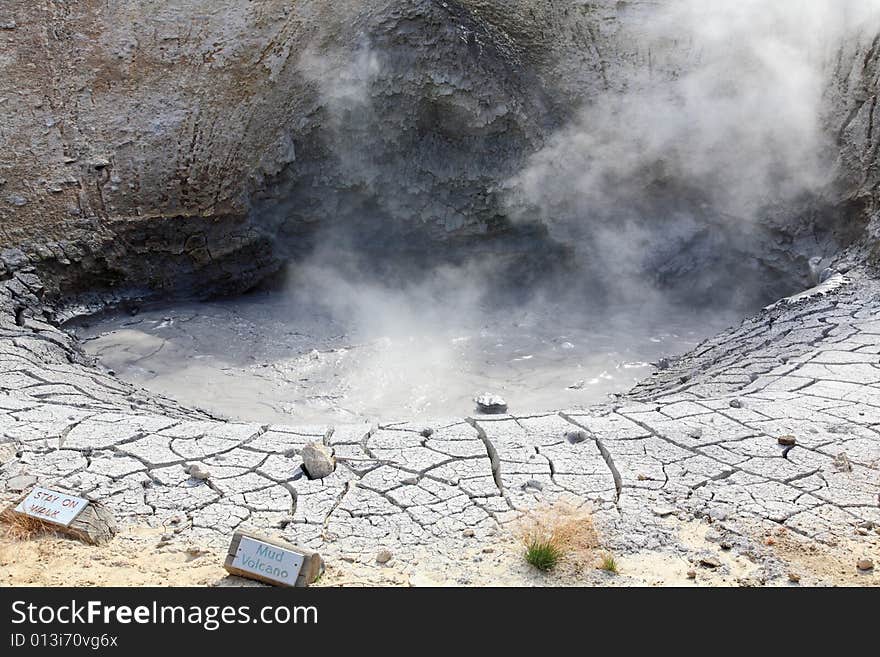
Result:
[{"x": 138, "y": 557}]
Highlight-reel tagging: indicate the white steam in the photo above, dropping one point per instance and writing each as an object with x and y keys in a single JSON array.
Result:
[{"x": 738, "y": 128}]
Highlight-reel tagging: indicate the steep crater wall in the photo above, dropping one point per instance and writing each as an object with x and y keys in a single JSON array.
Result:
[{"x": 192, "y": 147}]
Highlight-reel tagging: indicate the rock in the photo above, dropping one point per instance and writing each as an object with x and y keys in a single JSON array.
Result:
[
  {"x": 383, "y": 556},
  {"x": 318, "y": 461},
  {"x": 794, "y": 578},
  {"x": 94, "y": 525},
  {"x": 533, "y": 484},
  {"x": 663, "y": 511},
  {"x": 195, "y": 551},
  {"x": 692, "y": 574},
  {"x": 491, "y": 404},
  {"x": 726, "y": 545},
  {"x": 426, "y": 433},
  {"x": 20, "y": 483},
  {"x": 575, "y": 437},
  {"x": 736, "y": 403},
  {"x": 710, "y": 562},
  {"x": 578, "y": 385},
  {"x": 196, "y": 471},
  {"x": 841, "y": 463},
  {"x": 7, "y": 452},
  {"x": 695, "y": 432},
  {"x": 468, "y": 533},
  {"x": 865, "y": 564},
  {"x": 788, "y": 441}
]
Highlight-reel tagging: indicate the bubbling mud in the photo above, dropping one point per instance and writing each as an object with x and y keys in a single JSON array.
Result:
[{"x": 274, "y": 357}]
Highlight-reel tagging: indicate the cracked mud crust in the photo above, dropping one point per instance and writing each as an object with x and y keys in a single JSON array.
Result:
[{"x": 685, "y": 473}]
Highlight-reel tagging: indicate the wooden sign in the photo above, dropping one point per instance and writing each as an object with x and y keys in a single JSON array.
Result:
[
  {"x": 52, "y": 506},
  {"x": 272, "y": 561}
]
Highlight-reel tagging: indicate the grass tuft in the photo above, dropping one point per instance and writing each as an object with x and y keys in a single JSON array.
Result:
[
  {"x": 556, "y": 533},
  {"x": 609, "y": 564},
  {"x": 543, "y": 555}
]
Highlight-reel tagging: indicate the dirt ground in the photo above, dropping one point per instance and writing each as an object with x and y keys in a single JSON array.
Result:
[{"x": 138, "y": 557}]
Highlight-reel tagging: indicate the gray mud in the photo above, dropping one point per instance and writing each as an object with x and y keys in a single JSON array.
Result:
[{"x": 271, "y": 356}]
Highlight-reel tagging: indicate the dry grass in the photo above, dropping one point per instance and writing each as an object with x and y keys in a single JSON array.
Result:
[
  {"x": 18, "y": 527},
  {"x": 561, "y": 532}
]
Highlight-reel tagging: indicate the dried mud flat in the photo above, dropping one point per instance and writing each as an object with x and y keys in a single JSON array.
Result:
[{"x": 694, "y": 470}]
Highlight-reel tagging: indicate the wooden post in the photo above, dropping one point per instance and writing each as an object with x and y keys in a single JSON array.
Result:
[{"x": 312, "y": 566}]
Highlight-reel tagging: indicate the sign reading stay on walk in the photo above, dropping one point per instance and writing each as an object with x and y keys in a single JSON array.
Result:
[
  {"x": 52, "y": 506},
  {"x": 272, "y": 561}
]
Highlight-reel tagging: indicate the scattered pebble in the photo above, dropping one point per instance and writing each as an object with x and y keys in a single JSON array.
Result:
[
  {"x": 575, "y": 437},
  {"x": 383, "y": 556},
  {"x": 736, "y": 403},
  {"x": 788, "y": 441},
  {"x": 198, "y": 472},
  {"x": 841, "y": 463},
  {"x": 710, "y": 562},
  {"x": 865, "y": 564},
  {"x": 692, "y": 574},
  {"x": 794, "y": 578},
  {"x": 468, "y": 533}
]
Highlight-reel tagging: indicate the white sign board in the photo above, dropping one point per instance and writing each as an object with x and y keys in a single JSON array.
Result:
[
  {"x": 269, "y": 561},
  {"x": 52, "y": 506}
]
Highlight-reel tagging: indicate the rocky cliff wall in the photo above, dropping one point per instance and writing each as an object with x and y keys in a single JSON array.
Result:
[{"x": 192, "y": 145}]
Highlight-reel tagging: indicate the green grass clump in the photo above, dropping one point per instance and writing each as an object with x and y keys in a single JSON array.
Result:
[
  {"x": 609, "y": 564},
  {"x": 543, "y": 555}
]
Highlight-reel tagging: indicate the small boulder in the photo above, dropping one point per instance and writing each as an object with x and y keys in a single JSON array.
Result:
[
  {"x": 491, "y": 404},
  {"x": 575, "y": 437},
  {"x": 865, "y": 564},
  {"x": 196, "y": 471},
  {"x": 787, "y": 441},
  {"x": 318, "y": 461}
]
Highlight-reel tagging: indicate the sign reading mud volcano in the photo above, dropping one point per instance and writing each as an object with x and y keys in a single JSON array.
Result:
[
  {"x": 52, "y": 506},
  {"x": 272, "y": 561}
]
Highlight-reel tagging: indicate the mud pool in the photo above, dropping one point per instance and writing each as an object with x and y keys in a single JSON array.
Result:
[{"x": 281, "y": 358}]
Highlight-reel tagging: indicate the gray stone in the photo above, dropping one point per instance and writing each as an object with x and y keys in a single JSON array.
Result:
[
  {"x": 20, "y": 483},
  {"x": 198, "y": 472},
  {"x": 491, "y": 404},
  {"x": 318, "y": 461},
  {"x": 383, "y": 556}
]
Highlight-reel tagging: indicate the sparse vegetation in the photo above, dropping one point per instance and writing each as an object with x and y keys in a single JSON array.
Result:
[
  {"x": 543, "y": 555},
  {"x": 20, "y": 527},
  {"x": 557, "y": 533},
  {"x": 609, "y": 564}
]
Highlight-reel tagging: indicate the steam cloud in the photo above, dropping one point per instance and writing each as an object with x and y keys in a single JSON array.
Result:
[
  {"x": 731, "y": 127},
  {"x": 714, "y": 122}
]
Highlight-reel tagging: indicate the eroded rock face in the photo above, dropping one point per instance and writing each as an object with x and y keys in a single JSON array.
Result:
[
  {"x": 168, "y": 149},
  {"x": 194, "y": 147}
]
